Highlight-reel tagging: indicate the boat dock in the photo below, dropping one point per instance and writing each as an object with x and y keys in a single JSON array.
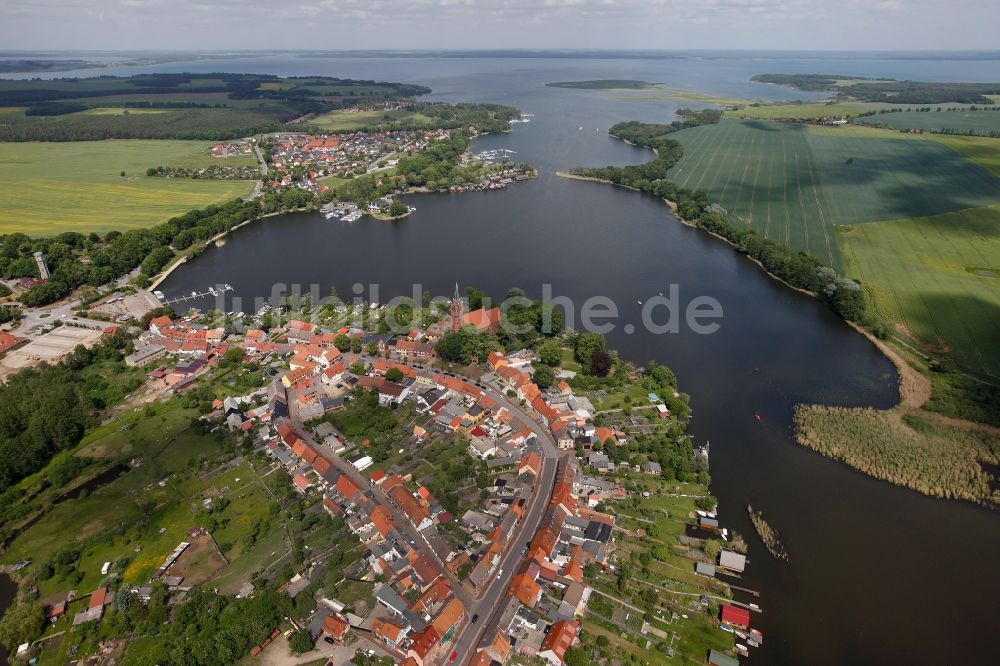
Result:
[{"x": 194, "y": 295}]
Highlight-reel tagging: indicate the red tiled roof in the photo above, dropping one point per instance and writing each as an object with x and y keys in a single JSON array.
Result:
[
  {"x": 98, "y": 597},
  {"x": 383, "y": 520},
  {"x": 347, "y": 487},
  {"x": 559, "y": 638},
  {"x": 321, "y": 465},
  {"x": 451, "y": 615},
  {"x": 481, "y": 319},
  {"x": 335, "y": 626},
  {"x": 424, "y": 642}
]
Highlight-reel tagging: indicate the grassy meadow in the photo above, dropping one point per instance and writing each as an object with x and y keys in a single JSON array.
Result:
[
  {"x": 77, "y": 186},
  {"x": 139, "y": 517}
]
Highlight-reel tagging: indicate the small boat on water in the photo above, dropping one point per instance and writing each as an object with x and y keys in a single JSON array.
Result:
[{"x": 756, "y": 416}]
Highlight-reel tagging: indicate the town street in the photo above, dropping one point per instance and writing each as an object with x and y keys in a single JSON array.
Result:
[{"x": 489, "y": 603}]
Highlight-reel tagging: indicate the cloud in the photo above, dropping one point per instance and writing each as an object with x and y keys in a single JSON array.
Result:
[{"x": 246, "y": 24}]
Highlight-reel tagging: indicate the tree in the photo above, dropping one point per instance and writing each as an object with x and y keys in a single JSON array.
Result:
[
  {"x": 394, "y": 375},
  {"x": 600, "y": 363},
  {"x": 232, "y": 358},
  {"x": 22, "y": 623},
  {"x": 544, "y": 376},
  {"x": 300, "y": 641},
  {"x": 397, "y": 208},
  {"x": 576, "y": 657},
  {"x": 451, "y": 347},
  {"x": 584, "y": 345},
  {"x": 550, "y": 353}
]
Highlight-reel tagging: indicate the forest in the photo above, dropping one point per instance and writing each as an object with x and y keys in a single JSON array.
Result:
[
  {"x": 240, "y": 105},
  {"x": 47, "y": 409}
]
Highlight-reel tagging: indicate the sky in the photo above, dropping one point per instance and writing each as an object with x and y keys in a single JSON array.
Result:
[{"x": 472, "y": 24}]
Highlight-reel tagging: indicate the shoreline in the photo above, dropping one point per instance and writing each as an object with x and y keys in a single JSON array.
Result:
[
  {"x": 914, "y": 389},
  {"x": 204, "y": 246}
]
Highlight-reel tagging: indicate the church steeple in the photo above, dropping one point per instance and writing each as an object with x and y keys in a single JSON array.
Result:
[{"x": 457, "y": 310}]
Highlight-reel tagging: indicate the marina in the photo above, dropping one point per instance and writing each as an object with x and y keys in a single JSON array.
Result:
[{"x": 194, "y": 295}]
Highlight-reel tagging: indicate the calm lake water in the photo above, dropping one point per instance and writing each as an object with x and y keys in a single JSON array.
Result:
[{"x": 877, "y": 573}]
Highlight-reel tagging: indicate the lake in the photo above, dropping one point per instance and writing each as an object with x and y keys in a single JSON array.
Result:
[{"x": 877, "y": 573}]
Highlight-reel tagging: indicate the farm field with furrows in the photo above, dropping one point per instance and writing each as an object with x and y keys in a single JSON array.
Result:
[
  {"x": 793, "y": 183},
  {"x": 765, "y": 174},
  {"x": 915, "y": 218}
]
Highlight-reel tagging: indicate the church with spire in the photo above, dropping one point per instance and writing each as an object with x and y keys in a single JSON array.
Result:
[
  {"x": 457, "y": 310},
  {"x": 481, "y": 319}
]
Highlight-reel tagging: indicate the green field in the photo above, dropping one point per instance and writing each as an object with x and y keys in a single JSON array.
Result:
[
  {"x": 981, "y": 150},
  {"x": 794, "y": 183},
  {"x": 766, "y": 174},
  {"x": 940, "y": 277},
  {"x": 339, "y": 121},
  {"x": 836, "y": 108},
  {"x": 980, "y": 122},
  {"x": 806, "y": 110},
  {"x": 894, "y": 177},
  {"x": 54, "y": 187}
]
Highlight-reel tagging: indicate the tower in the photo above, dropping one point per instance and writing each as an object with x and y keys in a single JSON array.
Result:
[
  {"x": 43, "y": 270},
  {"x": 456, "y": 310}
]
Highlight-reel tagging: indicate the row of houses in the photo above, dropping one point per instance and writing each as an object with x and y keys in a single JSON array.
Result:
[{"x": 548, "y": 595}]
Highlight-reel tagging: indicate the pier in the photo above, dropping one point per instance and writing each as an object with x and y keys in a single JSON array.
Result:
[{"x": 194, "y": 295}]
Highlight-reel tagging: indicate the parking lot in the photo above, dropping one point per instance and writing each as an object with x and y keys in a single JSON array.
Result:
[{"x": 49, "y": 347}]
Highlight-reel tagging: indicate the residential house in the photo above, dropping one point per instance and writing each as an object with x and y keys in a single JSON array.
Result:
[
  {"x": 559, "y": 639},
  {"x": 390, "y": 633}
]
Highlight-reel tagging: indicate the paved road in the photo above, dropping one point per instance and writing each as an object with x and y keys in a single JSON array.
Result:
[
  {"x": 495, "y": 595},
  {"x": 402, "y": 523},
  {"x": 63, "y": 311},
  {"x": 487, "y": 606}
]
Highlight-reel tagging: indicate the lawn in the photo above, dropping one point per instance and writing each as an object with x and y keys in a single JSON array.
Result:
[
  {"x": 77, "y": 186},
  {"x": 939, "y": 276},
  {"x": 339, "y": 121}
]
